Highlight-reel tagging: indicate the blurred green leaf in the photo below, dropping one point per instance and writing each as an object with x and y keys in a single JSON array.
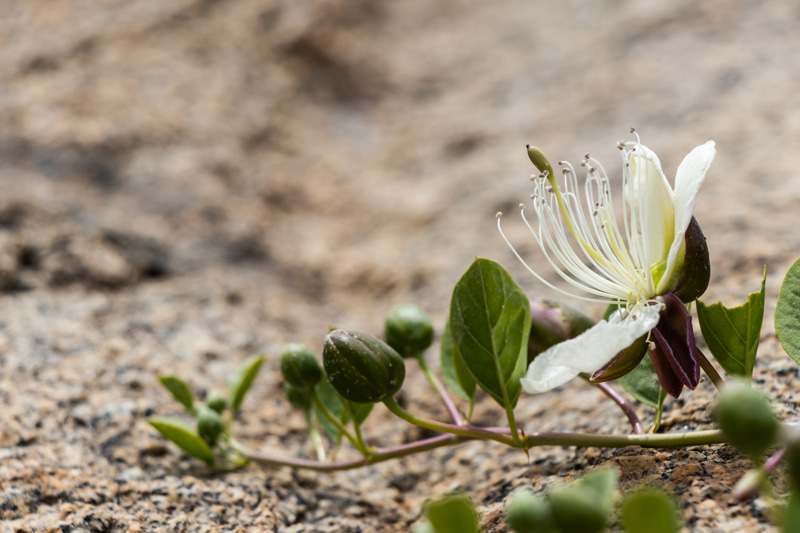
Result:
[
  {"x": 330, "y": 399},
  {"x": 642, "y": 383},
  {"x": 184, "y": 437},
  {"x": 490, "y": 320},
  {"x": 787, "y": 313},
  {"x": 242, "y": 381},
  {"x": 453, "y": 514},
  {"x": 650, "y": 511},
  {"x": 454, "y": 371},
  {"x": 732, "y": 334},
  {"x": 179, "y": 389}
]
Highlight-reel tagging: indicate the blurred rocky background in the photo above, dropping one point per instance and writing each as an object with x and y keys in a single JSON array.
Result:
[{"x": 184, "y": 183}]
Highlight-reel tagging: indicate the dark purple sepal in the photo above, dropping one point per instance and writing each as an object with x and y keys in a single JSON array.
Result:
[
  {"x": 622, "y": 363},
  {"x": 696, "y": 271},
  {"x": 673, "y": 350}
]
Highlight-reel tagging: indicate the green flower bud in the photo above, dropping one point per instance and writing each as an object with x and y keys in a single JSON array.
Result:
[
  {"x": 746, "y": 419},
  {"x": 551, "y": 324},
  {"x": 575, "y": 511},
  {"x": 360, "y": 367},
  {"x": 209, "y": 424},
  {"x": 696, "y": 270},
  {"x": 300, "y": 367},
  {"x": 298, "y": 397},
  {"x": 409, "y": 330},
  {"x": 216, "y": 401},
  {"x": 528, "y": 513}
]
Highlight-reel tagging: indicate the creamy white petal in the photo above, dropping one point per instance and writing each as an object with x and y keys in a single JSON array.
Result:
[
  {"x": 691, "y": 173},
  {"x": 588, "y": 351},
  {"x": 652, "y": 204}
]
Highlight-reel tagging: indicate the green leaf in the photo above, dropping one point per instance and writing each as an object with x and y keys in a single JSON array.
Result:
[
  {"x": 184, "y": 437},
  {"x": 361, "y": 411},
  {"x": 650, "y": 511},
  {"x": 642, "y": 383},
  {"x": 490, "y": 320},
  {"x": 453, "y": 514},
  {"x": 454, "y": 371},
  {"x": 732, "y": 335},
  {"x": 584, "y": 506},
  {"x": 179, "y": 389},
  {"x": 242, "y": 380},
  {"x": 787, "y": 313},
  {"x": 330, "y": 399}
]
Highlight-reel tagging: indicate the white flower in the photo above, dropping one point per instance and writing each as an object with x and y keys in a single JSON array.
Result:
[{"x": 630, "y": 265}]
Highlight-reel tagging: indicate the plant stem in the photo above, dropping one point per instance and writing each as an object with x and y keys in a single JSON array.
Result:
[
  {"x": 709, "y": 369},
  {"x": 441, "y": 391},
  {"x": 648, "y": 440},
  {"x": 319, "y": 447},
  {"x": 623, "y": 404},
  {"x": 379, "y": 455},
  {"x": 356, "y": 427},
  {"x": 464, "y": 431},
  {"x": 338, "y": 423}
]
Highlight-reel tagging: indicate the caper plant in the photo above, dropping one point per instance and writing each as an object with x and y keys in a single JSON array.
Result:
[{"x": 649, "y": 266}]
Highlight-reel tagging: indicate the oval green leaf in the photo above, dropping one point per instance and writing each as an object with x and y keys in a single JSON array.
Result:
[
  {"x": 490, "y": 320},
  {"x": 787, "y": 313},
  {"x": 179, "y": 389},
  {"x": 454, "y": 371},
  {"x": 732, "y": 334},
  {"x": 242, "y": 381},
  {"x": 642, "y": 383},
  {"x": 184, "y": 437},
  {"x": 453, "y": 514}
]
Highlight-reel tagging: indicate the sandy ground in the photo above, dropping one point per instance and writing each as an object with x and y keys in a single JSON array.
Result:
[{"x": 187, "y": 182}]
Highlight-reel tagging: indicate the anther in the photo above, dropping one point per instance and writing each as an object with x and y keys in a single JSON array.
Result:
[
  {"x": 633, "y": 130},
  {"x": 621, "y": 145},
  {"x": 499, "y": 214},
  {"x": 651, "y": 345},
  {"x": 522, "y": 206}
]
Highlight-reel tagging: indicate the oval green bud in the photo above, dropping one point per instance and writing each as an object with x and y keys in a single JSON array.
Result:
[
  {"x": 408, "y": 329},
  {"x": 216, "y": 401},
  {"x": 540, "y": 161},
  {"x": 746, "y": 419},
  {"x": 300, "y": 367},
  {"x": 360, "y": 367},
  {"x": 528, "y": 513},
  {"x": 209, "y": 424},
  {"x": 575, "y": 511},
  {"x": 298, "y": 397}
]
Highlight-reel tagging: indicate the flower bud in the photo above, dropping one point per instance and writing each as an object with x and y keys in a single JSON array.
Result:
[
  {"x": 746, "y": 419},
  {"x": 300, "y": 367},
  {"x": 360, "y": 367},
  {"x": 527, "y": 513},
  {"x": 575, "y": 511},
  {"x": 552, "y": 323},
  {"x": 209, "y": 424},
  {"x": 216, "y": 401},
  {"x": 409, "y": 330},
  {"x": 299, "y": 398},
  {"x": 750, "y": 484},
  {"x": 695, "y": 272}
]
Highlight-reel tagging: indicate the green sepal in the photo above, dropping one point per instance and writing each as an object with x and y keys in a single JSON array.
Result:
[{"x": 184, "y": 437}]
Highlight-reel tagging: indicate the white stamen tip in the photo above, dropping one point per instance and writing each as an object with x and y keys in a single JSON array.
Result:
[{"x": 499, "y": 214}]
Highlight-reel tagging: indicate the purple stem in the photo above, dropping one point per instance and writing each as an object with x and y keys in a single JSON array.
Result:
[{"x": 623, "y": 404}]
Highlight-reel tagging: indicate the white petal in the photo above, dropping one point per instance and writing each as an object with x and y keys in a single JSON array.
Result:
[
  {"x": 652, "y": 204},
  {"x": 588, "y": 351},
  {"x": 691, "y": 173}
]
